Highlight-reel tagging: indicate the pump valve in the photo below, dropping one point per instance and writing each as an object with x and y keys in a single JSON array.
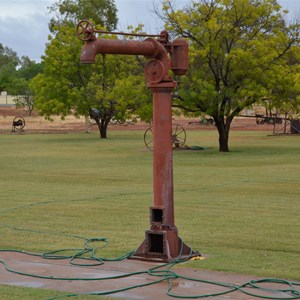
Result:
[{"x": 85, "y": 30}]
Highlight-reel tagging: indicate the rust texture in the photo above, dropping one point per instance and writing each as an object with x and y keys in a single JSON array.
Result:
[{"x": 162, "y": 242}]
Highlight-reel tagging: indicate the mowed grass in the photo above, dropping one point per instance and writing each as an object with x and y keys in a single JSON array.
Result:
[{"x": 239, "y": 209}]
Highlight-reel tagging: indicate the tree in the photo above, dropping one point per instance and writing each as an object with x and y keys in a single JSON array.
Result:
[
  {"x": 8, "y": 63},
  {"x": 15, "y": 75},
  {"x": 235, "y": 47},
  {"x": 134, "y": 97},
  {"x": 63, "y": 88},
  {"x": 58, "y": 90},
  {"x": 67, "y": 86},
  {"x": 69, "y": 12},
  {"x": 284, "y": 91},
  {"x": 7, "y": 56},
  {"x": 19, "y": 85},
  {"x": 108, "y": 90}
]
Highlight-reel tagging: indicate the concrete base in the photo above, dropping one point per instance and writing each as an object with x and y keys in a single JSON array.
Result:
[{"x": 62, "y": 268}]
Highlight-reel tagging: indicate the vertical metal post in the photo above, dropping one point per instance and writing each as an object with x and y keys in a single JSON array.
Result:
[
  {"x": 161, "y": 241},
  {"x": 162, "y": 153}
]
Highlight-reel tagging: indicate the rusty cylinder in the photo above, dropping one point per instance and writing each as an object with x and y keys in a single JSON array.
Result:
[{"x": 150, "y": 48}]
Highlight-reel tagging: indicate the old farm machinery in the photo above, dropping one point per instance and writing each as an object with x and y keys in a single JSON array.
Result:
[
  {"x": 273, "y": 119},
  {"x": 281, "y": 124},
  {"x": 178, "y": 137},
  {"x": 18, "y": 125}
]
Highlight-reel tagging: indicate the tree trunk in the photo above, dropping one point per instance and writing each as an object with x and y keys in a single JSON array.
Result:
[
  {"x": 103, "y": 132},
  {"x": 223, "y": 130},
  {"x": 87, "y": 124},
  {"x": 102, "y": 125}
]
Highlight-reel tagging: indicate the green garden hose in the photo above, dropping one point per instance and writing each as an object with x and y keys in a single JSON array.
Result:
[{"x": 88, "y": 255}]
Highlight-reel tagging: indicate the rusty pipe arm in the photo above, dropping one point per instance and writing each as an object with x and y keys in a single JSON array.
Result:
[{"x": 150, "y": 48}]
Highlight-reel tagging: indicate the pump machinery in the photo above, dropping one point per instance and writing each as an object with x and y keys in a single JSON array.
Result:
[{"x": 162, "y": 242}]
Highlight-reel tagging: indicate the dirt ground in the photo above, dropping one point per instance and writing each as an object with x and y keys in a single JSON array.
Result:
[{"x": 38, "y": 124}]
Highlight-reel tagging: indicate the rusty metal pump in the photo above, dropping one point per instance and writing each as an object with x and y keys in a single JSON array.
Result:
[{"x": 162, "y": 242}]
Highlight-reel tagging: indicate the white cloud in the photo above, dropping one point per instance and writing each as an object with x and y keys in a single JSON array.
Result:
[
  {"x": 21, "y": 8},
  {"x": 26, "y": 35},
  {"x": 24, "y": 26}
]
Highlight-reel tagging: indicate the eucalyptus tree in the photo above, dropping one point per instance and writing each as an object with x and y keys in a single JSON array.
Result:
[
  {"x": 9, "y": 61},
  {"x": 100, "y": 90},
  {"x": 67, "y": 86},
  {"x": 239, "y": 51},
  {"x": 69, "y": 12},
  {"x": 19, "y": 85}
]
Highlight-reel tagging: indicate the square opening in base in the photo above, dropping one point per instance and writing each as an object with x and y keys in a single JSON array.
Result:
[
  {"x": 155, "y": 242},
  {"x": 156, "y": 215}
]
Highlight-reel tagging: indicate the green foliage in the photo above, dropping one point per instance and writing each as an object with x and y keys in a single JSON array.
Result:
[
  {"x": 239, "y": 52},
  {"x": 7, "y": 72},
  {"x": 57, "y": 89},
  {"x": 15, "y": 75},
  {"x": 67, "y": 86},
  {"x": 7, "y": 56},
  {"x": 283, "y": 88},
  {"x": 26, "y": 71},
  {"x": 64, "y": 87},
  {"x": 133, "y": 97},
  {"x": 70, "y": 12},
  {"x": 28, "y": 68},
  {"x": 8, "y": 63}
]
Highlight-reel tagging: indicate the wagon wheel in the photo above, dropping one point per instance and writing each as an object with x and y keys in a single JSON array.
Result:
[
  {"x": 148, "y": 138},
  {"x": 85, "y": 30},
  {"x": 18, "y": 123},
  {"x": 178, "y": 136}
]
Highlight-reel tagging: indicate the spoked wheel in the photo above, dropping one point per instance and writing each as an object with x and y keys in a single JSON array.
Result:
[
  {"x": 18, "y": 124},
  {"x": 85, "y": 30},
  {"x": 178, "y": 137},
  {"x": 148, "y": 138}
]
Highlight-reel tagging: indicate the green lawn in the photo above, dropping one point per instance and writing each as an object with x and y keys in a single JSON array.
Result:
[{"x": 239, "y": 209}]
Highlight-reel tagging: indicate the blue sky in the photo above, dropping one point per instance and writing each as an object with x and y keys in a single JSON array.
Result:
[{"x": 24, "y": 23}]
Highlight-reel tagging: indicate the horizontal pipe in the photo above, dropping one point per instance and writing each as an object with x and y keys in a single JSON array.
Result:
[{"x": 149, "y": 48}]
